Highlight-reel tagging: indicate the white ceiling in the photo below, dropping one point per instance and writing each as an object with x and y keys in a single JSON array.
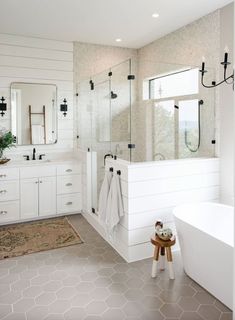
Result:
[{"x": 101, "y": 21}]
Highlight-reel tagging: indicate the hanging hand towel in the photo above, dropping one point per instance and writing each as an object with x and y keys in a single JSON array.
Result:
[
  {"x": 37, "y": 134},
  {"x": 114, "y": 209},
  {"x": 104, "y": 192}
]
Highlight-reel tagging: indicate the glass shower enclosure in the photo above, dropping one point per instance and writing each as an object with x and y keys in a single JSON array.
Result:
[{"x": 162, "y": 113}]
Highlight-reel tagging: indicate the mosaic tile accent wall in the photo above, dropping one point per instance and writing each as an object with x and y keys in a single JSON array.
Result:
[{"x": 184, "y": 47}]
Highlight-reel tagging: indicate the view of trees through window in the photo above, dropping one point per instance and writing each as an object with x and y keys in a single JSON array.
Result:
[{"x": 176, "y": 114}]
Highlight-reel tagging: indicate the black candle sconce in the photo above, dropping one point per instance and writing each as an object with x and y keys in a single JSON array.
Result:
[
  {"x": 64, "y": 107},
  {"x": 228, "y": 79},
  {"x": 3, "y": 106}
]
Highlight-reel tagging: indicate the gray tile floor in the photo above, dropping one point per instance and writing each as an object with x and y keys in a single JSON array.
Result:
[{"x": 91, "y": 281}]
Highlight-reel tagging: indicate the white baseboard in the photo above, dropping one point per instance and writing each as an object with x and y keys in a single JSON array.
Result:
[{"x": 128, "y": 253}]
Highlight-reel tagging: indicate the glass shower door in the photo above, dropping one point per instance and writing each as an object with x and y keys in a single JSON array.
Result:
[
  {"x": 120, "y": 110},
  {"x": 101, "y": 133},
  {"x": 84, "y": 115}
]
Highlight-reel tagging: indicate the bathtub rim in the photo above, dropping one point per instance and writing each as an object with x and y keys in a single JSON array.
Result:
[{"x": 185, "y": 205}]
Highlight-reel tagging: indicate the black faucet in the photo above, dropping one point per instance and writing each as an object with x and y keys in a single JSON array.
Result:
[{"x": 34, "y": 154}]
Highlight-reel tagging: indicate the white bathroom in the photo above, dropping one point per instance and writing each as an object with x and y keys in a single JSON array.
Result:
[{"x": 116, "y": 160}]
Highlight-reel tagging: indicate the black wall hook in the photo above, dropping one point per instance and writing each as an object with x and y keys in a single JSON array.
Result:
[{"x": 119, "y": 172}]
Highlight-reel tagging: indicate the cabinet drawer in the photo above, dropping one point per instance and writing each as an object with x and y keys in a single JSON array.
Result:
[
  {"x": 9, "y": 190},
  {"x": 9, "y": 211},
  {"x": 37, "y": 172},
  {"x": 68, "y": 184},
  {"x": 9, "y": 174},
  {"x": 67, "y": 169},
  {"x": 69, "y": 203}
]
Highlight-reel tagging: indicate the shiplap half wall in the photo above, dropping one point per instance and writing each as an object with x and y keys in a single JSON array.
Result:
[
  {"x": 35, "y": 60},
  {"x": 150, "y": 192}
]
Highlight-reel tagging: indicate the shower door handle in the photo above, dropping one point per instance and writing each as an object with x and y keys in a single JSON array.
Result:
[{"x": 106, "y": 156}]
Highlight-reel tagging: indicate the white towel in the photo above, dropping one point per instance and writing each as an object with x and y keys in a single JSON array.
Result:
[
  {"x": 37, "y": 134},
  {"x": 104, "y": 192},
  {"x": 114, "y": 209}
]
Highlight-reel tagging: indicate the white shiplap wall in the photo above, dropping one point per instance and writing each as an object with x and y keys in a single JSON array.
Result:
[
  {"x": 150, "y": 192},
  {"x": 35, "y": 60}
]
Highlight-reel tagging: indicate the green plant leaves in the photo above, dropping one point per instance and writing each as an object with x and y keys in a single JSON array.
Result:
[{"x": 7, "y": 140}]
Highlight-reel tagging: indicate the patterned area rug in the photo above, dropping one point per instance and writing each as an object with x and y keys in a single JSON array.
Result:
[{"x": 24, "y": 238}]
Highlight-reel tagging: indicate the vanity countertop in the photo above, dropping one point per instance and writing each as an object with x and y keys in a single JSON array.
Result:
[{"x": 30, "y": 163}]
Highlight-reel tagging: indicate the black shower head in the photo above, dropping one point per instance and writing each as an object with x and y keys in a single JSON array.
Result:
[{"x": 113, "y": 95}]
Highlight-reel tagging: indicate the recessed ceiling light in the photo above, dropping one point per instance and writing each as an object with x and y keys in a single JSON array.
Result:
[
  {"x": 118, "y": 40},
  {"x": 155, "y": 15}
]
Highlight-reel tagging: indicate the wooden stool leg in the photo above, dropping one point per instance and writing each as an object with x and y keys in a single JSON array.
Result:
[
  {"x": 162, "y": 259},
  {"x": 155, "y": 261},
  {"x": 170, "y": 263}
]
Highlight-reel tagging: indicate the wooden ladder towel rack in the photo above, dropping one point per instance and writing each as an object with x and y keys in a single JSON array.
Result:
[{"x": 43, "y": 113}]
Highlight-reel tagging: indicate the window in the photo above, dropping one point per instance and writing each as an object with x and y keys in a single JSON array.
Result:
[
  {"x": 180, "y": 83},
  {"x": 176, "y": 123}
]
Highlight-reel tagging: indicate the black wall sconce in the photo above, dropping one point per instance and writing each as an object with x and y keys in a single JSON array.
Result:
[
  {"x": 92, "y": 85},
  {"x": 227, "y": 79},
  {"x": 3, "y": 106},
  {"x": 64, "y": 107}
]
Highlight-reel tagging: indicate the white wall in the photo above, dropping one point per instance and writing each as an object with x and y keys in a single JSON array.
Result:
[
  {"x": 227, "y": 110},
  {"x": 35, "y": 60}
]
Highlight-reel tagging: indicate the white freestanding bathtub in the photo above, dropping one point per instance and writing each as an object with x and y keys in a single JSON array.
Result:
[{"x": 205, "y": 232}]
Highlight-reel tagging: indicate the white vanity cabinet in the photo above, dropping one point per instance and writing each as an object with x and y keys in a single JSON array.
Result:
[
  {"x": 38, "y": 197},
  {"x": 9, "y": 195},
  {"x": 68, "y": 188},
  {"x": 37, "y": 191},
  {"x": 47, "y": 196},
  {"x": 29, "y": 198},
  {"x": 33, "y": 191}
]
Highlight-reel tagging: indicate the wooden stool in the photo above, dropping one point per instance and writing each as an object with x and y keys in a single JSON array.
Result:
[{"x": 161, "y": 247}]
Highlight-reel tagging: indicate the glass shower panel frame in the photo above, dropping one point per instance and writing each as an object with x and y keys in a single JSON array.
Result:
[
  {"x": 142, "y": 109},
  {"x": 84, "y": 115},
  {"x": 163, "y": 134},
  {"x": 101, "y": 132},
  {"x": 121, "y": 110}
]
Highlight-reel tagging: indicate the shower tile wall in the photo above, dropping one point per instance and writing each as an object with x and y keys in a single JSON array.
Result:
[
  {"x": 184, "y": 47},
  {"x": 91, "y": 59}
]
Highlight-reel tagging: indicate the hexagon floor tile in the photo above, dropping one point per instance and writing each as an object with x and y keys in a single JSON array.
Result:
[{"x": 91, "y": 281}]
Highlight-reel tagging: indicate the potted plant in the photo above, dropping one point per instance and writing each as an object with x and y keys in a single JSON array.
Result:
[{"x": 7, "y": 141}]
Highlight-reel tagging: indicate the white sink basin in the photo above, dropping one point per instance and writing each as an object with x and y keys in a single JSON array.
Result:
[
  {"x": 37, "y": 161},
  {"x": 28, "y": 162}
]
